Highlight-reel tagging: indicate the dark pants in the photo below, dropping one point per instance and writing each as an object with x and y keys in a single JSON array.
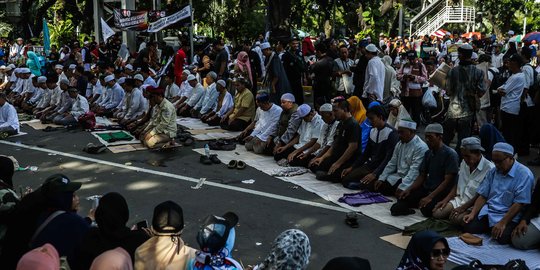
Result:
[
  {"x": 322, "y": 93},
  {"x": 524, "y": 139},
  {"x": 284, "y": 154},
  {"x": 511, "y": 128},
  {"x": 463, "y": 127},
  {"x": 9, "y": 130},
  {"x": 325, "y": 166},
  {"x": 414, "y": 198},
  {"x": 413, "y": 106},
  {"x": 297, "y": 90},
  {"x": 297, "y": 162},
  {"x": 482, "y": 226},
  {"x": 235, "y": 125},
  {"x": 214, "y": 122},
  {"x": 186, "y": 112},
  {"x": 388, "y": 189},
  {"x": 352, "y": 180}
]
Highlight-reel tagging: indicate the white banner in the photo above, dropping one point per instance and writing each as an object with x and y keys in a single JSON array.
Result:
[
  {"x": 106, "y": 30},
  {"x": 164, "y": 22}
]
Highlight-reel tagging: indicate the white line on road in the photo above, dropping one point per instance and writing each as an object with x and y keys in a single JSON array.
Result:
[{"x": 181, "y": 177}]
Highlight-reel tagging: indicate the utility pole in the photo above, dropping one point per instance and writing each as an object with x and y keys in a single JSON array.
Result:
[
  {"x": 401, "y": 20},
  {"x": 128, "y": 37},
  {"x": 191, "y": 31},
  {"x": 98, "y": 13},
  {"x": 334, "y": 18}
]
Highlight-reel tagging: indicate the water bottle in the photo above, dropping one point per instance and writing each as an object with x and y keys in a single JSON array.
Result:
[{"x": 207, "y": 150}]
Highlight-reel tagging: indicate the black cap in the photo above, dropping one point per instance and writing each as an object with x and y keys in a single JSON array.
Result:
[
  {"x": 59, "y": 183},
  {"x": 168, "y": 218},
  {"x": 213, "y": 236}
]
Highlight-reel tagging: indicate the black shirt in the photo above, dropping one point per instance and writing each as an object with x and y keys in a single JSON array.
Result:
[
  {"x": 293, "y": 64},
  {"x": 221, "y": 57},
  {"x": 347, "y": 131}
]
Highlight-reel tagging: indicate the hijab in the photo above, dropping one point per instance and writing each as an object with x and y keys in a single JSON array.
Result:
[
  {"x": 33, "y": 56},
  {"x": 489, "y": 136},
  {"x": 112, "y": 214},
  {"x": 418, "y": 252},
  {"x": 114, "y": 259},
  {"x": 402, "y": 113},
  {"x": 291, "y": 250},
  {"x": 41, "y": 258},
  {"x": 358, "y": 110},
  {"x": 244, "y": 64}
]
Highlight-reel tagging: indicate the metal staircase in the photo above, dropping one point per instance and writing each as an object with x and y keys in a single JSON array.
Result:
[{"x": 436, "y": 13}]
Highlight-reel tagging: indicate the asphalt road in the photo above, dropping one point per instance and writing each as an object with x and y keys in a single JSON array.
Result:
[{"x": 146, "y": 178}]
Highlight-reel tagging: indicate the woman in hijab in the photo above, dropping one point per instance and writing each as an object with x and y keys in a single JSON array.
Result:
[
  {"x": 391, "y": 84},
  {"x": 243, "y": 66},
  {"x": 426, "y": 251},
  {"x": 41, "y": 258},
  {"x": 33, "y": 63},
  {"x": 291, "y": 250},
  {"x": 111, "y": 216},
  {"x": 489, "y": 136},
  {"x": 114, "y": 259},
  {"x": 397, "y": 112},
  {"x": 358, "y": 110}
]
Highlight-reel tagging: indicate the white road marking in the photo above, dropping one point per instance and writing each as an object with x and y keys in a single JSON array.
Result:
[{"x": 181, "y": 177}]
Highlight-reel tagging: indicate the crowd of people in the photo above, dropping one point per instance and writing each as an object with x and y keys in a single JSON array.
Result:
[{"x": 384, "y": 117}]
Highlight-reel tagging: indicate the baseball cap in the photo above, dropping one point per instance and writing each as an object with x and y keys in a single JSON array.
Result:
[
  {"x": 303, "y": 110},
  {"x": 434, "y": 128},
  {"x": 471, "y": 143},
  {"x": 168, "y": 218},
  {"x": 59, "y": 183},
  {"x": 213, "y": 236}
]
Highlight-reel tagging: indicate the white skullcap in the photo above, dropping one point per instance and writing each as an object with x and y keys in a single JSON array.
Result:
[
  {"x": 139, "y": 77},
  {"x": 222, "y": 83},
  {"x": 72, "y": 66},
  {"x": 42, "y": 79},
  {"x": 12, "y": 66},
  {"x": 191, "y": 77},
  {"x": 187, "y": 72},
  {"x": 371, "y": 48},
  {"x": 327, "y": 107},
  {"x": 395, "y": 102},
  {"x": 109, "y": 78},
  {"x": 122, "y": 80},
  {"x": 288, "y": 97},
  {"x": 303, "y": 110},
  {"x": 64, "y": 81},
  {"x": 24, "y": 70},
  {"x": 406, "y": 123},
  {"x": 129, "y": 66},
  {"x": 265, "y": 45},
  {"x": 59, "y": 66}
]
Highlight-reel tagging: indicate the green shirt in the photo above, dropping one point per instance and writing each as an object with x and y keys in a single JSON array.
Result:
[{"x": 164, "y": 119}]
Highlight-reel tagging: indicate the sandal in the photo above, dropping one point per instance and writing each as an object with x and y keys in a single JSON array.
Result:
[
  {"x": 232, "y": 164},
  {"x": 352, "y": 219},
  {"x": 215, "y": 159},
  {"x": 241, "y": 165}
]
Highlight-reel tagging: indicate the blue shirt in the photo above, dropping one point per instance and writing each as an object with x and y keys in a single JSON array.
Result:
[
  {"x": 501, "y": 191},
  {"x": 116, "y": 94}
]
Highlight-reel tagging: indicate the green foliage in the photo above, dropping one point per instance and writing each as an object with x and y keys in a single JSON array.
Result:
[
  {"x": 61, "y": 31},
  {"x": 5, "y": 28}
]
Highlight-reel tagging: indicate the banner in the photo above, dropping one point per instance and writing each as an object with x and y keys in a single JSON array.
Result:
[
  {"x": 46, "y": 38},
  {"x": 126, "y": 19},
  {"x": 164, "y": 22},
  {"x": 106, "y": 30}
]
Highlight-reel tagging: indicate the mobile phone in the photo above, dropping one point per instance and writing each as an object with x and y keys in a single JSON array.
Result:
[{"x": 142, "y": 224}]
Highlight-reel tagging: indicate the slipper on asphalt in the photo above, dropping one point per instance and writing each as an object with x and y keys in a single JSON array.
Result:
[
  {"x": 215, "y": 159},
  {"x": 205, "y": 160},
  {"x": 188, "y": 142},
  {"x": 351, "y": 219},
  {"x": 232, "y": 164},
  {"x": 94, "y": 149},
  {"x": 240, "y": 165},
  {"x": 3, "y": 135}
]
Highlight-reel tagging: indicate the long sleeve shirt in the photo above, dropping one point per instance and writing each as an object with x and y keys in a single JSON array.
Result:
[
  {"x": 80, "y": 106},
  {"x": 164, "y": 119},
  {"x": 45, "y": 98},
  {"x": 468, "y": 181},
  {"x": 65, "y": 103},
  {"x": 104, "y": 98},
  {"x": 210, "y": 98},
  {"x": 309, "y": 130},
  {"x": 56, "y": 96},
  {"x": 374, "y": 83},
  {"x": 117, "y": 94},
  {"x": 185, "y": 90},
  {"x": 379, "y": 149},
  {"x": 226, "y": 105},
  {"x": 172, "y": 90},
  {"x": 8, "y": 117},
  {"x": 326, "y": 135},
  {"x": 198, "y": 92},
  {"x": 405, "y": 163},
  {"x": 134, "y": 104},
  {"x": 37, "y": 96},
  {"x": 266, "y": 124}
]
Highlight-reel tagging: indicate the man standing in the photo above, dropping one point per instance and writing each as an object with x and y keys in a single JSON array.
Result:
[
  {"x": 221, "y": 60},
  {"x": 161, "y": 129},
  {"x": 276, "y": 78},
  {"x": 502, "y": 194},
  {"x": 464, "y": 86},
  {"x": 294, "y": 66},
  {"x": 16, "y": 50},
  {"x": 179, "y": 61},
  {"x": 9, "y": 121},
  {"x": 374, "y": 84},
  {"x": 322, "y": 71},
  {"x": 342, "y": 72},
  {"x": 359, "y": 69}
]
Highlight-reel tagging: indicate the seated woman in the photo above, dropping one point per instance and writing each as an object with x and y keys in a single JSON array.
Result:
[
  {"x": 291, "y": 250},
  {"x": 527, "y": 234},
  {"x": 427, "y": 251}
]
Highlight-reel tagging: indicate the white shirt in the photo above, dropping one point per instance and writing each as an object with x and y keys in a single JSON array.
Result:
[
  {"x": 342, "y": 65},
  {"x": 116, "y": 96},
  {"x": 468, "y": 182},
  {"x": 135, "y": 104},
  {"x": 56, "y": 96},
  {"x": 405, "y": 163},
  {"x": 97, "y": 89},
  {"x": 326, "y": 135},
  {"x": 37, "y": 96},
  {"x": 510, "y": 103},
  {"x": 226, "y": 104},
  {"x": 197, "y": 93},
  {"x": 309, "y": 130},
  {"x": 528, "y": 72},
  {"x": 374, "y": 83},
  {"x": 8, "y": 117},
  {"x": 185, "y": 89},
  {"x": 150, "y": 81},
  {"x": 497, "y": 60},
  {"x": 267, "y": 122},
  {"x": 171, "y": 91},
  {"x": 80, "y": 106},
  {"x": 45, "y": 98}
]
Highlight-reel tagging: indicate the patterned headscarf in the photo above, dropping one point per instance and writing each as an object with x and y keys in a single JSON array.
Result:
[
  {"x": 290, "y": 251},
  {"x": 244, "y": 63}
]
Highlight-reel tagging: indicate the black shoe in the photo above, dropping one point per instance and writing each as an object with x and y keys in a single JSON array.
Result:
[
  {"x": 240, "y": 165},
  {"x": 322, "y": 176},
  {"x": 205, "y": 160},
  {"x": 215, "y": 159}
]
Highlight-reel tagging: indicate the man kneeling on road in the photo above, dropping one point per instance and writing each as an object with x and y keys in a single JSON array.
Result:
[
  {"x": 161, "y": 129},
  {"x": 502, "y": 194},
  {"x": 79, "y": 107},
  {"x": 264, "y": 127}
]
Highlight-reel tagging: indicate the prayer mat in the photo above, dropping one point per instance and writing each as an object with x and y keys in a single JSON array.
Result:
[
  {"x": 326, "y": 190},
  {"x": 115, "y": 149},
  {"x": 109, "y": 138},
  {"x": 363, "y": 198},
  {"x": 490, "y": 253}
]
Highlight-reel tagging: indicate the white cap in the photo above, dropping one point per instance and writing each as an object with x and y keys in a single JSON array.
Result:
[
  {"x": 371, "y": 48},
  {"x": 109, "y": 78},
  {"x": 405, "y": 123},
  {"x": 511, "y": 32},
  {"x": 138, "y": 77},
  {"x": 265, "y": 45},
  {"x": 12, "y": 66},
  {"x": 327, "y": 107},
  {"x": 42, "y": 79},
  {"x": 8, "y": 68},
  {"x": 59, "y": 66},
  {"x": 122, "y": 80},
  {"x": 129, "y": 66},
  {"x": 64, "y": 81},
  {"x": 466, "y": 46},
  {"x": 24, "y": 70},
  {"x": 303, "y": 110},
  {"x": 222, "y": 83},
  {"x": 72, "y": 66},
  {"x": 187, "y": 72},
  {"x": 191, "y": 77},
  {"x": 2, "y": 67}
]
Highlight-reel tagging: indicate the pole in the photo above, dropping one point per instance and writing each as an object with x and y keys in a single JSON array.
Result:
[
  {"x": 525, "y": 23},
  {"x": 97, "y": 19},
  {"x": 334, "y": 19},
  {"x": 128, "y": 37},
  {"x": 191, "y": 32},
  {"x": 401, "y": 20}
]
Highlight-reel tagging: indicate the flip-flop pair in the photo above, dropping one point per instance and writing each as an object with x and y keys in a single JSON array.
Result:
[{"x": 236, "y": 164}]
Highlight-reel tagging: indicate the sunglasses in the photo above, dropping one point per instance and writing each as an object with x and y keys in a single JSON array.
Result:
[{"x": 436, "y": 253}]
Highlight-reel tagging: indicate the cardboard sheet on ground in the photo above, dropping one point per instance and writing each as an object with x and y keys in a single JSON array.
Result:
[
  {"x": 328, "y": 191},
  {"x": 123, "y": 142},
  {"x": 216, "y": 135},
  {"x": 490, "y": 253},
  {"x": 203, "y": 132},
  {"x": 18, "y": 134},
  {"x": 115, "y": 149},
  {"x": 398, "y": 240},
  {"x": 104, "y": 122},
  {"x": 192, "y": 123},
  {"x": 37, "y": 125}
]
